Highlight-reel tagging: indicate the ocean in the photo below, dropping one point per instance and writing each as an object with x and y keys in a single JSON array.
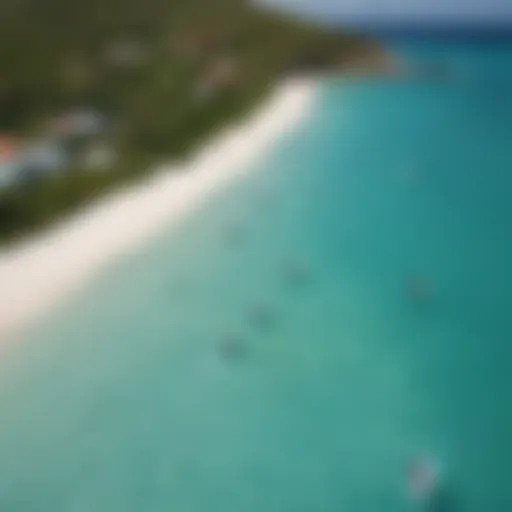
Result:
[{"x": 305, "y": 333}]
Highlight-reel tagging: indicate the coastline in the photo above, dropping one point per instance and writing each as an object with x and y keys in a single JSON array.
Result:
[{"x": 39, "y": 273}]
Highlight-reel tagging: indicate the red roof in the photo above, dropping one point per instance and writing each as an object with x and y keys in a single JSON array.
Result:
[{"x": 8, "y": 146}]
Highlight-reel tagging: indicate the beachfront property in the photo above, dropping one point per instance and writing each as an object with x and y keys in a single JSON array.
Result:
[
  {"x": 145, "y": 65},
  {"x": 8, "y": 146},
  {"x": 22, "y": 164},
  {"x": 65, "y": 142},
  {"x": 85, "y": 122},
  {"x": 8, "y": 168}
]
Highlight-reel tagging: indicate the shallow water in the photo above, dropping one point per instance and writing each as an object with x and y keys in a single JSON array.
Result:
[{"x": 123, "y": 400}]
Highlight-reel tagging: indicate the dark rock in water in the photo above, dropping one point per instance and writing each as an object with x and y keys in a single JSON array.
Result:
[
  {"x": 418, "y": 289},
  {"x": 263, "y": 317},
  {"x": 233, "y": 347},
  {"x": 444, "y": 501}
]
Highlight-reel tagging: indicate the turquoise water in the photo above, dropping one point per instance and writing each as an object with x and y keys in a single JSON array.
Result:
[{"x": 123, "y": 400}]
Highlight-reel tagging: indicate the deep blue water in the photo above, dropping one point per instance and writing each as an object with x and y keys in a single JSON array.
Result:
[{"x": 123, "y": 400}]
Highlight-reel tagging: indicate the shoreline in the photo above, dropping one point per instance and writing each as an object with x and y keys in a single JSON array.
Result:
[{"x": 38, "y": 273}]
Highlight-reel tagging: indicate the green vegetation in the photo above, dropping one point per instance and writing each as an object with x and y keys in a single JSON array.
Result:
[{"x": 144, "y": 63}]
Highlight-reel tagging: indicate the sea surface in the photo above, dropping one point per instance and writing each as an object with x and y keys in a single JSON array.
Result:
[{"x": 343, "y": 308}]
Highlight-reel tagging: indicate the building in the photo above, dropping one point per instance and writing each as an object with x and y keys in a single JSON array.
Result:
[
  {"x": 84, "y": 122},
  {"x": 8, "y": 159},
  {"x": 22, "y": 164},
  {"x": 42, "y": 158}
]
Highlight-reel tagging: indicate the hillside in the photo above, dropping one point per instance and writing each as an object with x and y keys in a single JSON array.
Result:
[{"x": 163, "y": 72}]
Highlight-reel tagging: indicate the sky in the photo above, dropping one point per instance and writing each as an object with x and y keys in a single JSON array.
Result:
[{"x": 472, "y": 11}]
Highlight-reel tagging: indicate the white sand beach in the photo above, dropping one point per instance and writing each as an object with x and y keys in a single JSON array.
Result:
[{"x": 39, "y": 273}]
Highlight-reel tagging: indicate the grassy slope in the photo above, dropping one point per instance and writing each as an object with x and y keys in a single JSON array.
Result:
[{"x": 43, "y": 41}]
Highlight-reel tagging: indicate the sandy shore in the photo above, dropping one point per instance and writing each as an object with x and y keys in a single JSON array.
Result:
[{"x": 38, "y": 274}]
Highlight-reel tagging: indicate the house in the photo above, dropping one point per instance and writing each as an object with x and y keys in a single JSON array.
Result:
[
  {"x": 41, "y": 158},
  {"x": 30, "y": 162},
  {"x": 84, "y": 123},
  {"x": 77, "y": 124},
  {"x": 8, "y": 160},
  {"x": 9, "y": 144}
]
